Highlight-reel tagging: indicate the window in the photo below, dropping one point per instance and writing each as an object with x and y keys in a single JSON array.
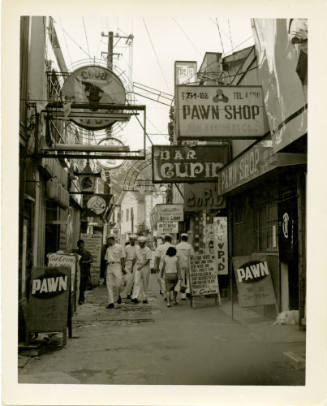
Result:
[{"x": 266, "y": 222}]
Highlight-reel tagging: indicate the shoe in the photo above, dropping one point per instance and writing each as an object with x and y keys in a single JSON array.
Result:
[
  {"x": 110, "y": 306},
  {"x": 119, "y": 300},
  {"x": 135, "y": 301},
  {"x": 175, "y": 303},
  {"x": 145, "y": 301},
  {"x": 183, "y": 298},
  {"x": 168, "y": 304},
  {"x": 81, "y": 302},
  {"x": 129, "y": 297}
]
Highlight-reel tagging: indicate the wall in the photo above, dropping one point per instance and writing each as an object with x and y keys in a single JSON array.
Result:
[
  {"x": 255, "y": 224},
  {"x": 131, "y": 200}
]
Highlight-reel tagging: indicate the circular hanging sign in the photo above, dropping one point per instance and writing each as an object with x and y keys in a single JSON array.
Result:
[
  {"x": 110, "y": 163},
  {"x": 97, "y": 204},
  {"x": 94, "y": 85}
]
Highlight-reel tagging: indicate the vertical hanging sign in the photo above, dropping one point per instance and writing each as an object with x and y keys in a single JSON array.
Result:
[{"x": 221, "y": 244}]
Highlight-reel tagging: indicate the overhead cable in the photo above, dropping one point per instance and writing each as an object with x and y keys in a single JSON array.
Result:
[
  {"x": 154, "y": 51},
  {"x": 221, "y": 41},
  {"x": 87, "y": 42},
  {"x": 189, "y": 39},
  {"x": 75, "y": 42}
]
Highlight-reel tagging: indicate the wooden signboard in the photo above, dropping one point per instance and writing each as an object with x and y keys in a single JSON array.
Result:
[
  {"x": 71, "y": 261},
  {"x": 167, "y": 227},
  {"x": 253, "y": 280},
  {"x": 93, "y": 244},
  {"x": 203, "y": 276},
  {"x": 47, "y": 309}
]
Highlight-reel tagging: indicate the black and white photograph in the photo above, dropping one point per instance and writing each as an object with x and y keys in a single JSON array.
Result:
[{"x": 163, "y": 195}]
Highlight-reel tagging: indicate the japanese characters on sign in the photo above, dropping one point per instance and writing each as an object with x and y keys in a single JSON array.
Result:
[
  {"x": 173, "y": 164},
  {"x": 253, "y": 280},
  {"x": 203, "y": 275},
  {"x": 221, "y": 244},
  {"x": 170, "y": 212},
  {"x": 93, "y": 243},
  {"x": 185, "y": 72},
  {"x": 167, "y": 227},
  {"x": 224, "y": 111}
]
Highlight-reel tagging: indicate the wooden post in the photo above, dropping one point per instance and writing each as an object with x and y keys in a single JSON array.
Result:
[{"x": 301, "y": 245}]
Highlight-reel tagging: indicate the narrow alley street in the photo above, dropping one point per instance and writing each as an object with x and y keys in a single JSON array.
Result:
[{"x": 151, "y": 344}]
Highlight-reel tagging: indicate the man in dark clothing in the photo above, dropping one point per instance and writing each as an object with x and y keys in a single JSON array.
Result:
[{"x": 85, "y": 265}]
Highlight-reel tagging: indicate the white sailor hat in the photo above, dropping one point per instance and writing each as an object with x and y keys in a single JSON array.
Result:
[
  {"x": 133, "y": 236},
  {"x": 142, "y": 239},
  {"x": 184, "y": 235}
]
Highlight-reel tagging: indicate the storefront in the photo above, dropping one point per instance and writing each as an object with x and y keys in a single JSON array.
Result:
[{"x": 265, "y": 194}]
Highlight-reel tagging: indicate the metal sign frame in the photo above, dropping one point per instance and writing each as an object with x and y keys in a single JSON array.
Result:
[{"x": 81, "y": 151}]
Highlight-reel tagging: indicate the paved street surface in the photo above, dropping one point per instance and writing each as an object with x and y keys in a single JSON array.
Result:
[{"x": 153, "y": 344}]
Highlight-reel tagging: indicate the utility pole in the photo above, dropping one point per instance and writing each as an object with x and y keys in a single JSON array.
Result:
[{"x": 110, "y": 55}]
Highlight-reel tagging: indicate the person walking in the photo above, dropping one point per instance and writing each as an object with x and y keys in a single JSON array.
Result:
[
  {"x": 159, "y": 255},
  {"x": 115, "y": 259},
  {"x": 85, "y": 265},
  {"x": 142, "y": 272},
  {"x": 103, "y": 264},
  {"x": 171, "y": 273},
  {"x": 130, "y": 259},
  {"x": 184, "y": 252}
]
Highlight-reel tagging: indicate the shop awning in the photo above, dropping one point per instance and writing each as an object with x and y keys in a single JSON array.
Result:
[{"x": 256, "y": 161}]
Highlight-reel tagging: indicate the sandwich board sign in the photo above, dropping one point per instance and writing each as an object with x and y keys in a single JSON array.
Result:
[
  {"x": 253, "y": 281},
  {"x": 47, "y": 309},
  {"x": 203, "y": 276}
]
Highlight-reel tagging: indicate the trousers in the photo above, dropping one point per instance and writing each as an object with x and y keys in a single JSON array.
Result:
[
  {"x": 114, "y": 279},
  {"x": 129, "y": 280},
  {"x": 185, "y": 280},
  {"x": 141, "y": 283}
]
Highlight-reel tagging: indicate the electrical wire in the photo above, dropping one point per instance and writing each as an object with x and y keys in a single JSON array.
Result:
[
  {"x": 75, "y": 42},
  {"x": 230, "y": 35},
  {"x": 238, "y": 45},
  {"x": 155, "y": 52},
  {"x": 189, "y": 39},
  {"x": 221, "y": 41},
  {"x": 87, "y": 42},
  {"x": 65, "y": 41}
]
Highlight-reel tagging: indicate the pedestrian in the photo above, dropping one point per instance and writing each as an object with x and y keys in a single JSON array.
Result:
[
  {"x": 115, "y": 259},
  {"x": 171, "y": 273},
  {"x": 130, "y": 259},
  {"x": 159, "y": 255},
  {"x": 184, "y": 252},
  {"x": 103, "y": 263},
  {"x": 142, "y": 272},
  {"x": 85, "y": 265}
]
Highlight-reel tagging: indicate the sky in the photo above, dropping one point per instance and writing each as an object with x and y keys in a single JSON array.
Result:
[{"x": 157, "y": 43}]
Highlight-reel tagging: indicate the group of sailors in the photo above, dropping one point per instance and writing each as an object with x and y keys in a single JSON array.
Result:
[{"x": 127, "y": 270}]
